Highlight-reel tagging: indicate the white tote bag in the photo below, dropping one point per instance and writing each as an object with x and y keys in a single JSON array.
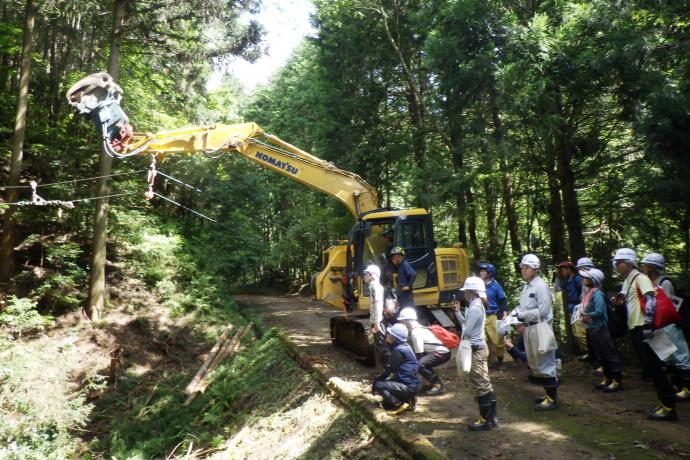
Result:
[
  {"x": 546, "y": 341},
  {"x": 463, "y": 359}
]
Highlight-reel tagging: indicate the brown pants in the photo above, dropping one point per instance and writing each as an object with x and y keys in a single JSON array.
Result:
[{"x": 479, "y": 372}]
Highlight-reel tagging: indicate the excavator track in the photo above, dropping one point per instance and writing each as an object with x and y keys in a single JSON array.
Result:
[{"x": 350, "y": 333}]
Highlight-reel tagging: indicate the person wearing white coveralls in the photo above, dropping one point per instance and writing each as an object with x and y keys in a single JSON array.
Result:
[{"x": 535, "y": 307}]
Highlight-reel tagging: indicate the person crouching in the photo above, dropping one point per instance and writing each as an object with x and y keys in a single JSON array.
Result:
[
  {"x": 428, "y": 348},
  {"x": 399, "y": 381},
  {"x": 474, "y": 291}
]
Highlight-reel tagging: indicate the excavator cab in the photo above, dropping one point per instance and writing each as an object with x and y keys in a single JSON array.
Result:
[{"x": 371, "y": 241}]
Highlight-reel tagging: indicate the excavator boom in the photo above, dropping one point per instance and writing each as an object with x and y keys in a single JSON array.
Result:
[{"x": 268, "y": 151}]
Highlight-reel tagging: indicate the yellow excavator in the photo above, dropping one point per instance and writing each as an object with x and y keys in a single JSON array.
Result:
[{"x": 440, "y": 271}]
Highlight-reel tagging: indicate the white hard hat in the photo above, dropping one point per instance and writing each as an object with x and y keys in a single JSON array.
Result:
[
  {"x": 373, "y": 270},
  {"x": 594, "y": 274},
  {"x": 408, "y": 313},
  {"x": 625, "y": 254},
  {"x": 474, "y": 283},
  {"x": 530, "y": 260},
  {"x": 399, "y": 331},
  {"x": 584, "y": 262},
  {"x": 655, "y": 259}
]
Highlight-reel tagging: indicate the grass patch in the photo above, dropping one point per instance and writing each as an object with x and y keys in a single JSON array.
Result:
[
  {"x": 259, "y": 381},
  {"x": 41, "y": 407}
]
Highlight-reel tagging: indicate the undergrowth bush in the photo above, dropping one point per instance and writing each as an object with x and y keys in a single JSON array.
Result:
[
  {"x": 41, "y": 407},
  {"x": 20, "y": 317},
  {"x": 257, "y": 382}
]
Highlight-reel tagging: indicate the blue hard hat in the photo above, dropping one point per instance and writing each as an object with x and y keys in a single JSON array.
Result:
[
  {"x": 488, "y": 267},
  {"x": 399, "y": 331}
]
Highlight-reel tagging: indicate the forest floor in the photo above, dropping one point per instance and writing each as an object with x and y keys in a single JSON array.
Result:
[{"x": 589, "y": 424}]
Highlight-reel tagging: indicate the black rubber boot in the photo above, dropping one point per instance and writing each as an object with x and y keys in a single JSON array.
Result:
[
  {"x": 662, "y": 413},
  {"x": 616, "y": 383},
  {"x": 482, "y": 423},
  {"x": 437, "y": 388},
  {"x": 493, "y": 419},
  {"x": 603, "y": 384},
  {"x": 550, "y": 401}
]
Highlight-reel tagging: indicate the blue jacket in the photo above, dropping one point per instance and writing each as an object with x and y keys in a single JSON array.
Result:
[
  {"x": 406, "y": 277},
  {"x": 403, "y": 363},
  {"x": 596, "y": 310},
  {"x": 496, "y": 297},
  {"x": 573, "y": 289}
]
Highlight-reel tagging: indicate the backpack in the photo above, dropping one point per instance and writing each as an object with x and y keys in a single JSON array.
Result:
[
  {"x": 617, "y": 319},
  {"x": 684, "y": 310},
  {"x": 665, "y": 312},
  {"x": 390, "y": 302},
  {"x": 449, "y": 339}
]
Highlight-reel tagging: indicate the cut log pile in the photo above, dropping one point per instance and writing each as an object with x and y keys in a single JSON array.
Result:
[{"x": 224, "y": 348}]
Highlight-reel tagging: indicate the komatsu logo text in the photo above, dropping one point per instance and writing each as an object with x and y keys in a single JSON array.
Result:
[{"x": 277, "y": 163}]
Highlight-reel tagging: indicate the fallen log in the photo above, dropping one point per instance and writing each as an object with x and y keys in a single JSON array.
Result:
[
  {"x": 203, "y": 370},
  {"x": 228, "y": 349}
]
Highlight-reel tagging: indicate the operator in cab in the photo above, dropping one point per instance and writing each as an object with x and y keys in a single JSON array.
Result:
[{"x": 406, "y": 277}]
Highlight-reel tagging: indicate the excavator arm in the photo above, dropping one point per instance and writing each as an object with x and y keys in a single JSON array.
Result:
[
  {"x": 98, "y": 97},
  {"x": 268, "y": 151}
]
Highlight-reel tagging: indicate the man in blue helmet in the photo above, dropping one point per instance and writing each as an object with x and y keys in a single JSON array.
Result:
[
  {"x": 399, "y": 382},
  {"x": 497, "y": 307}
]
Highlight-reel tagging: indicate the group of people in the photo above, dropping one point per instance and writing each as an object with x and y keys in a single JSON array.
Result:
[{"x": 410, "y": 350}]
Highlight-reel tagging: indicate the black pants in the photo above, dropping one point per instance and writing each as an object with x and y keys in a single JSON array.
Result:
[
  {"x": 394, "y": 393},
  {"x": 652, "y": 366},
  {"x": 679, "y": 377},
  {"x": 605, "y": 351},
  {"x": 429, "y": 361}
]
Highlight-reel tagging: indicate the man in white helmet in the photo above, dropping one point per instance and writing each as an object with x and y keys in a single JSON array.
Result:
[
  {"x": 535, "y": 307},
  {"x": 653, "y": 265},
  {"x": 584, "y": 263},
  {"x": 678, "y": 363},
  {"x": 428, "y": 349},
  {"x": 639, "y": 296},
  {"x": 371, "y": 277}
]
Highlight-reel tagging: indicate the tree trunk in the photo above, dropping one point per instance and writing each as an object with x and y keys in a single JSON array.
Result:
[
  {"x": 100, "y": 231},
  {"x": 457, "y": 159},
  {"x": 489, "y": 195},
  {"x": 472, "y": 224},
  {"x": 506, "y": 181},
  {"x": 555, "y": 211},
  {"x": 556, "y": 229},
  {"x": 571, "y": 208},
  {"x": 8, "y": 231}
]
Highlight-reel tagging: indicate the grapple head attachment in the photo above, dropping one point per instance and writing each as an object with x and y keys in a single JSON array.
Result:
[{"x": 98, "y": 97}]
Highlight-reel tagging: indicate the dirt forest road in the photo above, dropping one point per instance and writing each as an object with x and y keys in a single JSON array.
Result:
[{"x": 589, "y": 424}]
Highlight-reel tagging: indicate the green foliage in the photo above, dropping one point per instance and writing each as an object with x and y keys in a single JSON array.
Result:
[
  {"x": 41, "y": 408},
  {"x": 20, "y": 317},
  {"x": 245, "y": 387}
]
